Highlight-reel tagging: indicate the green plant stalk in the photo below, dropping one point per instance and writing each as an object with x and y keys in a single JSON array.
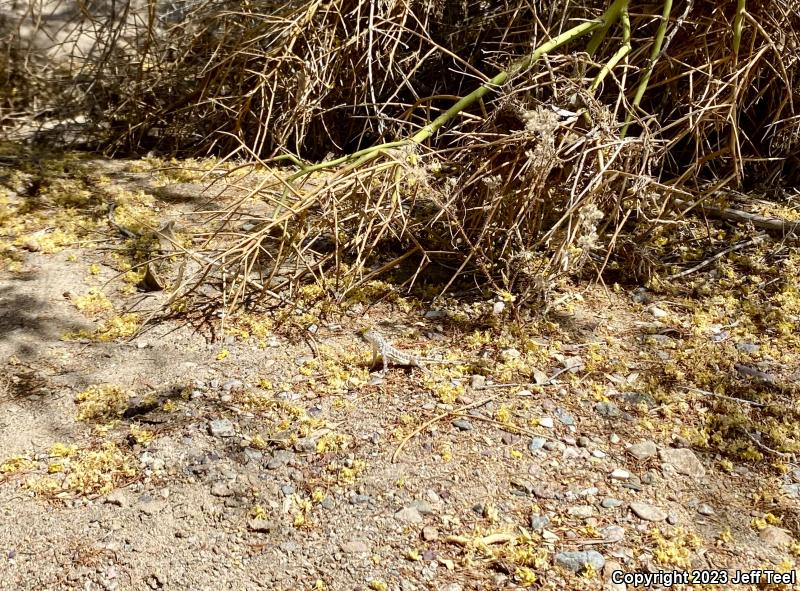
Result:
[
  {"x": 654, "y": 53},
  {"x": 737, "y": 28},
  {"x": 621, "y": 52},
  {"x": 609, "y": 18}
]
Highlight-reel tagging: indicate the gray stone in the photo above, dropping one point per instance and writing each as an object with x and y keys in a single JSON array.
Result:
[
  {"x": 280, "y": 458},
  {"x": 221, "y": 428},
  {"x": 546, "y": 422},
  {"x": 327, "y": 503},
  {"x": 684, "y": 461},
  {"x": 477, "y": 382},
  {"x": 563, "y": 416},
  {"x": 430, "y": 533},
  {"x": 536, "y": 444},
  {"x": 747, "y": 347},
  {"x": 584, "y": 441},
  {"x": 672, "y": 519},
  {"x": 578, "y": 561},
  {"x": 643, "y": 450},
  {"x": 704, "y": 509},
  {"x": 539, "y": 522},
  {"x": 620, "y": 474},
  {"x": 791, "y": 490},
  {"x": 609, "y": 503},
  {"x": 613, "y": 533},
  {"x": 639, "y": 398},
  {"x": 599, "y": 454},
  {"x": 462, "y": 425},
  {"x": 607, "y": 409},
  {"x": 648, "y": 512}
]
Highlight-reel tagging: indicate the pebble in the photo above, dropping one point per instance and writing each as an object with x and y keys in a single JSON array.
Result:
[
  {"x": 584, "y": 441},
  {"x": 553, "y": 445},
  {"x": 355, "y": 547},
  {"x": 599, "y": 453},
  {"x": 607, "y": 409},
  {"x": 409, "y": 515},
  {"x": 648, "y": 512},
  {"x": 359, "y": 499},
  {"x": 280, "y": 458},
  {"x": 462, "y": 425},
  {"x": 643, "y": 450},
  {"x": 620, "y": 474},
  {"x": 684, "y": 461},
  {"x": 327, "y": 503},
  {"x": 287, "y": 490},
  {"x": 539, "y": 522},
  {"x": 649, "y": 477},
  {"x": 747, "y": 347},
  {"x": 536, "y": 444},
  {"x": 544, "y": 491},
  {"x": 672, "y": 519},
  {"x": 509, "y": 355},
  {"x": 775, "y": 536},
  {"x": 430, "y": 533},
  {"x": 546, "y": 422},
  {"x": 610, "y": 503},
  {"x": 582, "y": 511},
  {"x": 118, "y": 498},
  {"x": 791, "y": 490},
  {"x": 613, "y": 533},
  {"x": 657, "y": 312},
  {"x": 577, "y": 561},
  {"x": 614, "y": 438},
  {"x": 233, "y": 385},
  {"x": 589, "y": 492},
  {"x": 477, "y": 382},
  {"x": 220, "y": 489},
  {"x": 221, "y": 428},
  {"x": 563, "y": 416},
  {"x": 522, "y": 485}
]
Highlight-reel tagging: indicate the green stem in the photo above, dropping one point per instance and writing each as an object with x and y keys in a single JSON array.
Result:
[
  {"x": 609, "y": 18},
  {"x": 654, "y": 53},
  {"x": 621, "y": 52}
]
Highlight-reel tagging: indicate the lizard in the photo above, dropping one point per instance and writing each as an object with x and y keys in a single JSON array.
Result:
[{"x": 392, "y": 355}]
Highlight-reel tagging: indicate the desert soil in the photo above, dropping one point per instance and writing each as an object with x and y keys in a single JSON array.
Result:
[{"x": 240, "y": 462}]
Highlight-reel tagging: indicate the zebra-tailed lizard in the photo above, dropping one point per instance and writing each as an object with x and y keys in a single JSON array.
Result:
[{"x": 394, "y": 356}]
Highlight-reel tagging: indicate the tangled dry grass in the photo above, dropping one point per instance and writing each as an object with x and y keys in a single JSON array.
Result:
[{"x": 514, "y": 143}]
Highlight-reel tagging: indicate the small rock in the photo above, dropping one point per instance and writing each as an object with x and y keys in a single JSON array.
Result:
[
  {"x": 563, "y": 416},
  {"x": 775, "y": 536},
  {"x": 609, "y": 503},
  {"x": 355, "y": 547},
  {"x": 536, "y": 444},
  {"x": 584, "y": 441},
  {"x": 280, "y": 458},
  {"x": 359, "y": 499},
  {"x": 578, "y": 561},
  {"x": 509, "y": 355},
  {"x": 620, "y": 474},
  {"x": 544, "y": 491},
  {"x": 498, "y": 307},
  {"x": 570, "y": 453},
  {"x": 613, "y": 533},
  {"x": 791, "y": 490},
  {"x": 553, "y": 445},
  {"x": 220, "y": 489},
  {"x": 406, "y": 585},
  {"x": 233, "y": 386},
  {"x": 672, "y": 519},
  {"x": 704, "y": 509},
  {"x": 648, "y": 512},
  {"x": 649, "y": 477},
  {"x": 598, "y": 453},
  {"x": 546, "y": 422},
  {"x": 288, "y": 490},
  {"x": 684, "y": 461},
  {"x": 263, "y": 525},
  {"x": 462, "y": 425},
  {"x": 607, "y": 409},
  {"x": 409, "y": 515},
  {"x": 747, "y": 347},
  {"x": 430, "y": 533},
  {"x": 589, "y": 492},
  {"x": 657, "y": 312},
  {"x": 643, "y": 450},
  {"x": 477, "y": 382},
  {"x": 639, "y": 399},
  {"x": 539, "y": 522},
  {"x": 327, "y": 503},
  {"x": 614, "y": 438},
  {"x": 452, "y": 587},
  {"x": 582, "y": 511},
  {"x": 221, "y": 428}
]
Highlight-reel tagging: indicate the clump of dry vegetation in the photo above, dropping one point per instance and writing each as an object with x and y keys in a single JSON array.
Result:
[{"x": 514, "y": 144}]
